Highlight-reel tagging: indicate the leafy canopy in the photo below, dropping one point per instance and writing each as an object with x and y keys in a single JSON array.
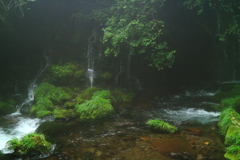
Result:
[{"x": 134, "y": 25}]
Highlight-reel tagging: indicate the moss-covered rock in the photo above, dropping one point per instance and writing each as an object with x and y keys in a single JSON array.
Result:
[
  {"x": 161, "y": 126},
  {"x": 122, "y": 96},
  {"x": 61, "y": 113},
  {"x": 42, "y": 108},
  {"x": 97, "y": 107},
  {"x": 56, "y": 95},
  {"x": 7, "y": 107},
  {"x": 229, "y": 125},
  {"x": 31, "y": 143},
  {"x": 88, "y": 93},
  {"x": 66, "y": 74},
  {"x": 69, "y": 104},
  {"x": 235, "y": 91}
]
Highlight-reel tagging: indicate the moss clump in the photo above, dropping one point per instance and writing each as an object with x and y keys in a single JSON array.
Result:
[
  {"x": 161, "y": 126},
  {"x": 229, "y": 125},
  {"x": 218, "y": 97},
  {"x": 97, "y": 107},
  {"x": 69, "y": 104},
  {"x": 103, "y": 94},
  {"x": 7, "y": 107},
  {"x": 55, "y": 94},
  {"x": 88, "y": 93},
  {"x": 31, "y": 143},
  {"x": 69, "y": 73},
  {"x": 121, "y": 96},
  {"x": 64, "y": 113},
  {"x": 60, "y": 71},
  {"x": 42, "y": 108},
  {"x": 79, "y": 74}
]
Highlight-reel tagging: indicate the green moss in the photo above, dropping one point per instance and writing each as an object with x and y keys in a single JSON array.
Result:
[
  {"x": 7, "y": 107},
  {"x": 70, "y": 104},
  {"x": 31, "y": 143},
  {"x": 94, "y": 108},
  {"x": 56, "y": 94},
  {"x": 103, "y": 94},
  {"x": 63, "y": 113},
  {"x": 59, "y": 71},
  {"x": 233, "y": 152},
  {"x": 121, "y": 96},
  {"x": 88, "y": 93},
  {"x": 225, "y": 120},
  {"x": 218, "y": 97},
  {"x": 43, "y": 113},
  {"x": 232, "y": 135},
  {"x": 229, "y": 125},
  {"x": 161, "y": 126},
  {"x": 79, "y": 74},
  {"x": 42, "y": 108}
]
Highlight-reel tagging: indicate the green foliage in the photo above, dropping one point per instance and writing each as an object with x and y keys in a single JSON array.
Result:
[
  {"x": 69, "y": 73},
  {"x": 233, "y": 93},
  {"x": 225, "y": 7},
  {"x": 121, "y": 96},
  {"x": 70, "y": 104},
  {"x": 102, "y": 94},
  {"x": 225, "y": 120},
  {"x": 7, "y": 107},
  {"x": 233, "y": 150},
  {"x": 232, "y": 138},
  {"x": 31, "y": 143},
  {"x": 55, "y": 94},
  {"x": 64, "y": 113},
  {"x": 79, "y": 74},
  {"x": 88, "y": 93},
  {"x": 63, "y": 71},
  {"x": 161, "y": 126},
  {"x": 94, "y": 108},
  {"x": 137, "y": 31},
  {"x": 42, "y": 108}
]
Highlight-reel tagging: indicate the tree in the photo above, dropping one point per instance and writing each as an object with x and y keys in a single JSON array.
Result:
[
  {"x": 230, "y": 10},
  {"x": 134, "y": 25}
]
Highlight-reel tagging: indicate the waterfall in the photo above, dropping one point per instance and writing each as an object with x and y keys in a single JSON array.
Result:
[
  {"x": 31, "y": 88},
  {"x": 90, "y": 58}
]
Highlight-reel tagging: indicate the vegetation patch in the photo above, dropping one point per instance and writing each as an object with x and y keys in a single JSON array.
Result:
[
  {"x": 122, "y": 96},
  {"x": 7, "y": 107},
  {"x": 161, "y": 126},
  {"x": 97, "y": 107},
  {"x": 31, "y": 143},
  {"x": 64, "y": 113},
  {"x": 56, "y": 95},
  {"x": 42, "y": 108}
]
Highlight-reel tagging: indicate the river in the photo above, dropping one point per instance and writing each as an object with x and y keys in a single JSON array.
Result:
[{"x": 125, "y": 135}]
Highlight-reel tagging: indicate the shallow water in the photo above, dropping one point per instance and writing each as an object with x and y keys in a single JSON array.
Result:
[{"x": 125, "y": 136}]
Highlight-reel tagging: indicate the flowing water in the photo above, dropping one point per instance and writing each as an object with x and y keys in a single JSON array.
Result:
[{"x": 125, "y": 136}]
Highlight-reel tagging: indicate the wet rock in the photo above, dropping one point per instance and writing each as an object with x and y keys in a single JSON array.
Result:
[
  {"x": 194, "y": 131},
  {"x": 176, "y": 147},
  {"x": 56, "y": 128}
]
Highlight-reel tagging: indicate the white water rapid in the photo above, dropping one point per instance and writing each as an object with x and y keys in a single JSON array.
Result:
[{"x": 16, "y": 125}]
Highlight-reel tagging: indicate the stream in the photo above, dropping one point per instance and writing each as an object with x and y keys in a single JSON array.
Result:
[{"x": 125, "y": 136}]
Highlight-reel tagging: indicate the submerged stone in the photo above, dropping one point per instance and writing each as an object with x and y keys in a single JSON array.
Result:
[{"x": 176, "y": 147}]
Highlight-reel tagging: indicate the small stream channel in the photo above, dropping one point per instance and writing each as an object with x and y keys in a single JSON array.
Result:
[{"x": 125, "y": 136}]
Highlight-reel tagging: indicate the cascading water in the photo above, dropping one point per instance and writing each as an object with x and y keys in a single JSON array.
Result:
[
  {"x": 90, "y": 57},
  {"x": 14, "y": 125}
]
